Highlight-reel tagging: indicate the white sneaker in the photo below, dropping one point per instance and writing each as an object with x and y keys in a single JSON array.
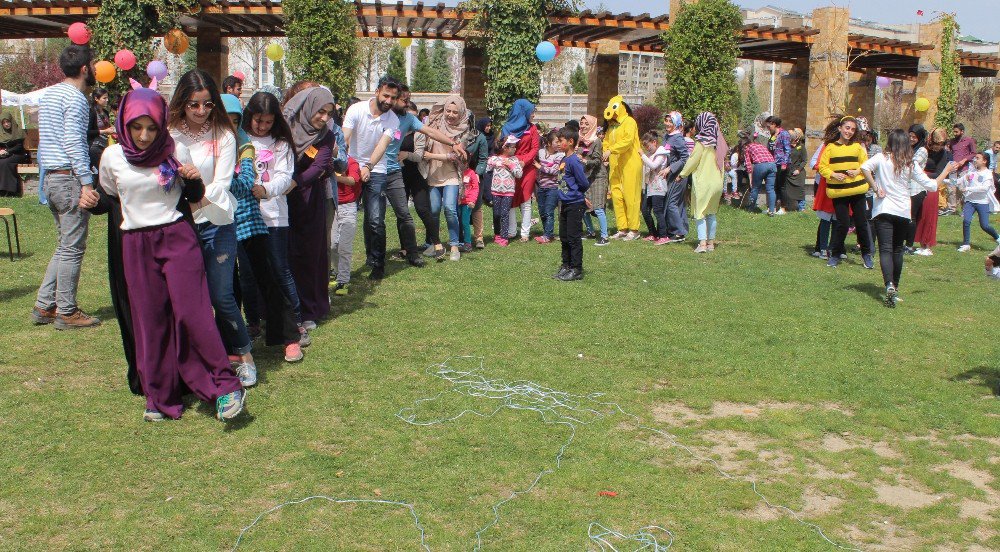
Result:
[
  {"x": 455, "y": 255},
  {"x": 248, "y": 374},
  {"x": 964, "y": 247},
  {"x": 309, "y": 325},
  {"x": 780, "y": 211},
  {"x": 619, "y": 235},
  {"x": 631, "y": 236},
  {"x": 924, "y": 252}
]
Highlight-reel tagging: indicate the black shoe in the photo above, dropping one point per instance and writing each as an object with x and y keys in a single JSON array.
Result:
[
  {"x": 416, "y": 261},
  {"x": 602, "y": 241},
  {"x": 562, "y": 270},
  {"x": 571, "y": 274},
  {"x": 377, "y": 273},
  {"x": 465, "y": 248},
  {"x": 434, "y": 252}
]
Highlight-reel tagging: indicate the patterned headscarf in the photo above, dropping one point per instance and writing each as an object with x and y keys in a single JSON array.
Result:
[
  {"x": 678, "y": 120},
  {"x": 707, "y": 132}
]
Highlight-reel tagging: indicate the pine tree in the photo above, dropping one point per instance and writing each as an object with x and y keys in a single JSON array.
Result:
[
  {"x": 279, "y": 74},
  {"x": 750, "y": 108},
  {"x": 397, "y": 63},
  {"x": 423, "y": 71},
  {"x": 441, "y": 64},
  {"x": 578, "y": 81}
]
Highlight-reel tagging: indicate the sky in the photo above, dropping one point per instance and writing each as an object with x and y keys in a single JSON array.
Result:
[{"x": 974, "y": 16}]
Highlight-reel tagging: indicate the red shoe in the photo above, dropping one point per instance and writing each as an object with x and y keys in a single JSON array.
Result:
[
  {"x": 650, "y": 237},
  {"x": 542, "y": 239},
  {"x": 502, "y": 242}
]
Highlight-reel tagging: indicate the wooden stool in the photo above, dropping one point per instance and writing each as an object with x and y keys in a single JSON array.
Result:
[{"x": 8, "y": 212}]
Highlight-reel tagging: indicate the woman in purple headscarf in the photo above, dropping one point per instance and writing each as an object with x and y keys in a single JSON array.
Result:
[{"x": 178, "y": 345}]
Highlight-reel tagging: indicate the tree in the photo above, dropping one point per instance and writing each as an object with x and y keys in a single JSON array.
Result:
[
  {"x": 578, "y": 83},
  {"x": 131, "y": 25},
  {"x": 950, "y": 74},
  {"x": 423, "y": 72},
  {"x": 374, "y": 56},
  {"x": 322, "y": 43},
  {"x": 397, "y": 63},
  {"x": 700, "y": 53},
  {"x": 279, "y": 75},
  {"x": 441, "y": 66},
  {"x": 555, "y": 74},
  {"x": 750, "y": 108}
]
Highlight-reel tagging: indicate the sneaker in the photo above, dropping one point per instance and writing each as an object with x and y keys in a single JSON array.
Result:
[
  {"x": 248, "y": 374},
  {"x": 78, "y": 319},
  {"x": 843, "y": 256},
  {"x": 650, "y": 237},
  {"x": 701, "y": 249},
  {"x": 601, "y": 241},
  {"x": 909, "y": 250},
  {"x": 524, "y": 239},
  {"x": 230, "y": 405},
  {"x": 293, "y": 352},
  {"x": 961, "y": 249},
  {"x": 377, "y": 273},
  {"x": 542, "y": 239},
  {"x": 309, "y": 325},
  {"x": 780, "y": 211},
  {"x": 502, "y": 242},
  {"x": 571, "y": 275},
  {"x": 455, "y": 254},
  {"x": 418, "y": 262},
  {"x": 662, "y": 241},
  {"x": 590, "y": 236},
  {"x": 562, "y": 270},
  {"x": 678, "y": 239},
  {"x": 924, "y": 252},
  {"x": 151, "y": 415},
  {"x": 631, "y": 236},
  {"x": 770, "y": 213},
  {"x": 41, "y": 317},
  {"x": 819, "y": 254},
  {"x": 619, "y": 235},
  {"x": 833, "y": 261},
  {"x": 399, "y": 255},
  {"x": 304, "y": 339},
  {"x": 340, "y": 289},
  {"x": 434, "y": 252},
  {"x": 890, "y": 296},
  {"x": 465, "y": 248},
  {"x": 869, "y": 262},
  {"x": 480, "y": 244}
]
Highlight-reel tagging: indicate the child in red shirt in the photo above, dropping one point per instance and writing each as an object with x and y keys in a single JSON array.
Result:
[
  {"x": 345, "y": 222},
  {"x": 467, "y": 197}
]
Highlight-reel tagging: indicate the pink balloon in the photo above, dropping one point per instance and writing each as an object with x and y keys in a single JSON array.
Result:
[
  {"x": 125, "y": 60},
  {"x": 79, "y": 33},
  {"x": 240, "y": 75}
]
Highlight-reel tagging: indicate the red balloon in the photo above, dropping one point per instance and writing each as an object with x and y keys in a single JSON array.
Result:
[
  {"x": 125, "y": 60},
  {"x": 78, "y": 33}
]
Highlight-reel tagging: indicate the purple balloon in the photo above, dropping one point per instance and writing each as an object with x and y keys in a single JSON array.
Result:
[
  {"x": 882, "y": 82},
  {"x": 156, "y": 70}
]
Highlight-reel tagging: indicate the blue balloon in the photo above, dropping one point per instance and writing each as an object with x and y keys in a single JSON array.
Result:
[{"x": 545, "y": 51}]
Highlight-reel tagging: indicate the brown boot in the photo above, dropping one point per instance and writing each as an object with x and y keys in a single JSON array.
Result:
[
  {"x": 78, "y": 319},
  {"x": 41, "y": 317}
]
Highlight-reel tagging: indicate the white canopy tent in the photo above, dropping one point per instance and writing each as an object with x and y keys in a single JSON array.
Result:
[{"x": 28, "y": 99}]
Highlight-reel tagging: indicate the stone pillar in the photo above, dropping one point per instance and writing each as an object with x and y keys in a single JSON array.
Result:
[
  {"x": 995, "y": 120},
  {"x": 602, "y": 79},
  {"x": 929, "y": 73},
  {"x": 861, "y": 96},
  {"x": 473, "y": 81},
  {"x": 794, "y": 94},
  {"x": 827, "y": 71},
  {"x": 213, "y": 53}
]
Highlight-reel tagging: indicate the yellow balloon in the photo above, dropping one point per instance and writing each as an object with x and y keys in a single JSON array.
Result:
[
  {"x": 922, "y": 104},
  {"x": 104, "y": 71},
  {"x": 275, "y": 52},
  {"x": 405, "y": 42}
]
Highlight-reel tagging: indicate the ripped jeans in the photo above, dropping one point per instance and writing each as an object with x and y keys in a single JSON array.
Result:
[{"x": 218, "y": 247}]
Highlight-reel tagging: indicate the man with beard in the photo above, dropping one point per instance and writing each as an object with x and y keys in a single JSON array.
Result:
[
  {"x": 63, "y": 116},
  {"x": 963, "y": 149}
]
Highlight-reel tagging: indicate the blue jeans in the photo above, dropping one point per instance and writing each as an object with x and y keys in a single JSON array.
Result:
[
  {"x": 446, "y": 196},
  {"x": 763, "y": 172},
  {"x": 602, "y": 220},
  {"x": 218, "y": 247},
  {"x": 548, "y": 198},
  {"x": 374, "y": 230},
  {"x": 277, "y": 248},
  {"x": 983, "y": 210}
]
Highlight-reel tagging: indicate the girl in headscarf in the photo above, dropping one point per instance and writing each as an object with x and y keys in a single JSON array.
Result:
[
  {"x": 178, "y": 345},
  {"x": 442, "y": 168},
  {"x": 591, "y": 152},
  {"x": 307, "y": 114},
  {"x": 12, "y": 154},
  {"x": 677, "y": 220},
  {"x": 520, "y": 124},
  {"x": 707, "y": 163}
]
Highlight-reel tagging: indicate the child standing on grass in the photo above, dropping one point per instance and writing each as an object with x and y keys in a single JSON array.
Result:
[
  {"x": 468, "y": 196},
  {"x": 572, "y": 187},
  {"x": 506, "y": 170},
  {"x": 977, "y": 189},
  {"x": 547, "y": 189},
  {"x": 654, "y": 209},
  {"x": 591, "y": 152},
  {"x": 345, "y": 223}
]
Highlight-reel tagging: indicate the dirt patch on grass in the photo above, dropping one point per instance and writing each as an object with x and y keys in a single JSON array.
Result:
[
  {"x": 883, "y": 536},
  {"x": 760, "y": 512},
  {"x": 845, "y": 441},
  {"x": 906, "y": 496},
  {"x": 816, "y": 503},
  {"x": 980, "y": 479},
  {"x": 677, "y": 413}
]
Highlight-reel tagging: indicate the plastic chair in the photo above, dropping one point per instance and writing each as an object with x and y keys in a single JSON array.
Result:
[{"x": 6, "y": 212}]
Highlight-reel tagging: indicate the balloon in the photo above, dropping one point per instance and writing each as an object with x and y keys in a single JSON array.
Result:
[
  {"x": 558, "y": 49},
  {"x": 739, "y": 72},
  {"x": 79, "y": 33},
  {"x": 240, "y": 75},
  {"x": 176, "y": 42},
  {"x": 883, "y": 82},
  {"x": 157, "y": 70},
  {"x": 125, "y": 60},
  {"x": 545, "y": 51},
  {"x": 104, "y": 71},
  {"x": 275, "y": 52},
  {"x": 922, "y": 104},
  {"x": 405, "y": 42}
]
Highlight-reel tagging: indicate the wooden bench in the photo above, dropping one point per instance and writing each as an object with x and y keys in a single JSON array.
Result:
[{"x": 30, "y": 144}]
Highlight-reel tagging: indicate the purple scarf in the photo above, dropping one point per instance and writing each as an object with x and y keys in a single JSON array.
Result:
[{"x": 147, "y": 102}]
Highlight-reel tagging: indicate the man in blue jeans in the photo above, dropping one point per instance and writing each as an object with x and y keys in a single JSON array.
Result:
[{"x": 63, "y": 116}]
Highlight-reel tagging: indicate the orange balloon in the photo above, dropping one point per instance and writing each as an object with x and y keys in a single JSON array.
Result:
[
  {"x": 176, "y": 42},
  {"x": 104, "y": 71}
]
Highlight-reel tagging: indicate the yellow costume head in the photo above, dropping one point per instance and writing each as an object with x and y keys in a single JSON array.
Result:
[{"x": 616, "y": 110}]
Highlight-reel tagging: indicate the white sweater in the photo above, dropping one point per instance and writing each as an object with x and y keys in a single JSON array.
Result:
[
  {"x": 215, "y": 159},
  {"x": 976, "y": 186},
  {"x": 897, "y": 188},
  {"x": 144, "y": 201},
  {"x": 275, "y": 160}
]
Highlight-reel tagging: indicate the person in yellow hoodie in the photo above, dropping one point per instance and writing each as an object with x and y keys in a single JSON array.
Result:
[{"x": 621, "y": 151}]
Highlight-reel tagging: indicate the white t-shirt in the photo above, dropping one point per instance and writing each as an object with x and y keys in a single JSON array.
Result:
[
  {"x": 144, "y": 202},
  {"x": 215, "y": 159},
  {"x": 274, "y": 164},
  {"x": 366, "y": 131},
  {"x": 897, "y": 188},
  {"x": 976, "y": 185}
]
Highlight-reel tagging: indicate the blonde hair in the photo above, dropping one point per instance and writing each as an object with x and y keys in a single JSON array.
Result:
[{"x": 796, "y": 134}]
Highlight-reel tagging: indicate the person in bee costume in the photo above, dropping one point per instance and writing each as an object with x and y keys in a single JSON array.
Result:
[{"x": 621, "y": 151}]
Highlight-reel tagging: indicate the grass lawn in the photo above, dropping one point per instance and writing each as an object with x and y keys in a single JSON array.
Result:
[{"x": 880, "y": 427}]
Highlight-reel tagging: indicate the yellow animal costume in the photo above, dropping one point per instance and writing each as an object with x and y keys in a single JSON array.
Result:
[{"x": 625, "y": 164}]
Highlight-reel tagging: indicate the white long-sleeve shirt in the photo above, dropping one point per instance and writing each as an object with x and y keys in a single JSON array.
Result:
[
  {"x": 976, "y": 185},
  {"x": 897, "y": 187},
  {"x": 214, "y": 155},
  {"x": 655, "y": 185},
  {"x": 275, "y": 164},
  {"x": 144, "y": 202}
]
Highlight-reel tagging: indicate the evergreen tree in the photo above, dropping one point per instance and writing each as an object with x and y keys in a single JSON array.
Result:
[
  {"x": 441, "y": 65},
  {"x": 397, "y": 63},
  {"x": 279, "y": 75},
  {"x": 423, "y": 71},
  {"x": 751, "y": 106},
  {"x": 578, "y": 81},
  {"x": 322, "y": 45}
]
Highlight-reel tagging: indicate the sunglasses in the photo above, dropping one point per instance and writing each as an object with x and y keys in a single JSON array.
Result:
[{"x": 195, "y": 105}]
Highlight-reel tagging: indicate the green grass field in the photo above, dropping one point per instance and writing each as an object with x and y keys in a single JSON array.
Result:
[{"x": 880, "y": 427}]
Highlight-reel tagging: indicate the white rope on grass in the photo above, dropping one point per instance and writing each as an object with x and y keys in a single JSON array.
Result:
[{"x": 599, "y": 534}]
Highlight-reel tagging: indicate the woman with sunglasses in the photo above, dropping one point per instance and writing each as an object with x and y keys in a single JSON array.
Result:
[
  {"x": 198, "y": 121},
  {"x": 938, "y": 158}
]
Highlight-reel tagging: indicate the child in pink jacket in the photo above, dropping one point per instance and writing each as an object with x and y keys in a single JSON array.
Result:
[{"x": 467, "y": 197}]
